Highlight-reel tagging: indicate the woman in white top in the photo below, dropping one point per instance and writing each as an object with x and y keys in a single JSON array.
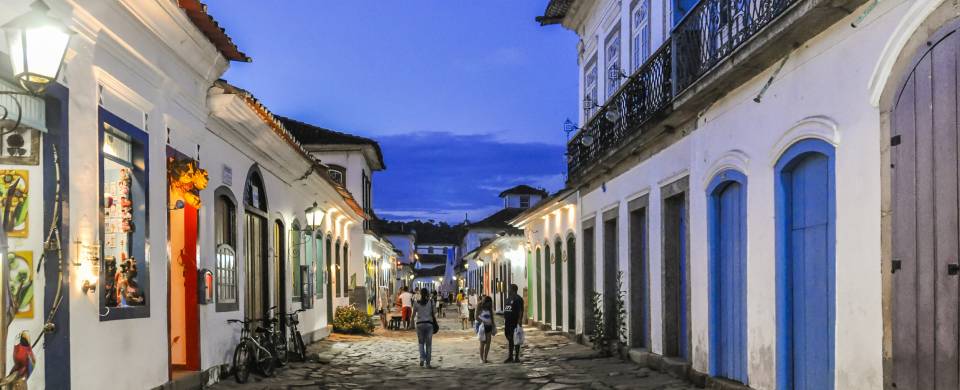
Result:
[
  {"x": 424, "y": 315},
  {"x": 486, "y": 327}
]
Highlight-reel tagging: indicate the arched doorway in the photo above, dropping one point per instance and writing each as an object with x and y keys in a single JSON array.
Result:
[
  {"x": 805, "y": 266},
  {"x": 558, "y": 280},
  {"x": 328, "y": 269},
  {"x": 547, "y": 290},
  {"x": 537, "y": 277},
  {"x": 924, "y": 160},
  {"x": 257, "y": 263},
  {"x": 280, "y": 265},
  {"x": 727, "y": 212},
  {"x": 571, "y": 283}
]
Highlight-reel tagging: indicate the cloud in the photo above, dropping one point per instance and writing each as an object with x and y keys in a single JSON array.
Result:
[{"x": 442, "y": 176}]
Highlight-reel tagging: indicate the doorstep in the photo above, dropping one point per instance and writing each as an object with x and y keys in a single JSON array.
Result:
[
  {"x": 187, "y": 381},
  {"x": 724, "y": 384},
  {"x": 644, "y": 358}
]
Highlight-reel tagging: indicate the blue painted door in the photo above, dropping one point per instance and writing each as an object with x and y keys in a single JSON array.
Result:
[
  {"x": 729, "y": 280},
  {"x": 808, "y": 264}
]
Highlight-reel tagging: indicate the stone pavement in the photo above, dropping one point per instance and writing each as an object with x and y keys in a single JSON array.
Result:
[{"x": 389, "y": 360}]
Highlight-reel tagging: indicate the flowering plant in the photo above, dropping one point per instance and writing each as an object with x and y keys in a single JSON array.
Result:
[{"x": 349, "y": 319}]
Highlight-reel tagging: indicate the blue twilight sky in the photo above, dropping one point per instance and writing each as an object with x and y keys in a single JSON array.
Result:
[{"x": 466, "y": 98}]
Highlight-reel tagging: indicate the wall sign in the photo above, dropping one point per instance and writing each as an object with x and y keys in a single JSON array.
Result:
[{"x": 227, "y": 176}]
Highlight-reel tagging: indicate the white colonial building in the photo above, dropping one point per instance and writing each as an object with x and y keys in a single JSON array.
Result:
[
  {"x": 158, "y": 202},
  {"x": 776, "y": 179},
  {"x": 350, "y": 160}
]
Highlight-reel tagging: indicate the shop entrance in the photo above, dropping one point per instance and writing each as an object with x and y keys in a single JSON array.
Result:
[
  {"x": 257, "y": 300},
  {"x": 183, "y": 317}
]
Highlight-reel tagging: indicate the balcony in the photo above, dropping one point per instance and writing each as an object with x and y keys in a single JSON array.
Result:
[
  {"x": 719, "y": 45},
  {"x": 642, "y": 97}
]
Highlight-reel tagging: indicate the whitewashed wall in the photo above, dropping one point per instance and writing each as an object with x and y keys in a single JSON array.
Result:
[
  {"x": 155, "y": 69},
  {"x": 821, "y": 93},
  {"x": 545, "y": 226}
]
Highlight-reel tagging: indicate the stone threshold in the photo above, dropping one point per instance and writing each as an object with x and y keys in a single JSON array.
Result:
[{"x": 644, "y": 358}]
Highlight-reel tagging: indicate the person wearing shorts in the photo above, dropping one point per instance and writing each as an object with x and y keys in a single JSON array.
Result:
[{"x": 406, "y": 307}]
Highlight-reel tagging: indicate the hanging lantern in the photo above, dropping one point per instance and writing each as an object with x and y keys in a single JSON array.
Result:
[{"x": 37, "y": 45}]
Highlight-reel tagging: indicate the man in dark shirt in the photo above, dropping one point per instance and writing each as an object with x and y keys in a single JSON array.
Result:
[{"x": 512, "y": 313}]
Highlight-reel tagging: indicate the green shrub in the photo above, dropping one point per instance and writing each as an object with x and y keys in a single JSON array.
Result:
[
  {"x": 599, "y": 336},
  {"x": 349, "y": 319}
]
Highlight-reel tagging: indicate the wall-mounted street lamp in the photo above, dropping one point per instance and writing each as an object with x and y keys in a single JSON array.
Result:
[
  {"x": 612, "y": 115},
  {"x": 314, "y": 216},
  {"x": 38, "y": 44},
  {"x": 569, "y": 127},
  {"x": 615, "y": 74},
  {"x": 589, "y": 104}
]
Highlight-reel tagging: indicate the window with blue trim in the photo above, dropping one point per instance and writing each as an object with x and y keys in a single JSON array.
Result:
[{"x": 124, "y": 218}]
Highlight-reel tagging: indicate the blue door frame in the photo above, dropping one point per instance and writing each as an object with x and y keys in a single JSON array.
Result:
[
  {"x": 805, "y": 265},
  {"x": 727, "y": 216}
]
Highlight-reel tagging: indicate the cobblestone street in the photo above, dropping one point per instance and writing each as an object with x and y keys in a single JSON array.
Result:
[{"x": 389, "y": 360}]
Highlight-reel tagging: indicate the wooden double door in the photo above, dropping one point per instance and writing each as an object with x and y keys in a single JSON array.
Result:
[{"x": 926, "y": 241}]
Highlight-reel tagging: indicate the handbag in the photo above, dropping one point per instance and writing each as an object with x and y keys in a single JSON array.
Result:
[
  {"x": 436, "y": 326},
  {"x": 518, "y": 336}
]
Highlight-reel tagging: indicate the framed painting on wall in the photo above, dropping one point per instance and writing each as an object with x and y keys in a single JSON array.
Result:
[
  {"x": 21, "y": 282},
  {"x": 14, "y": 204}
]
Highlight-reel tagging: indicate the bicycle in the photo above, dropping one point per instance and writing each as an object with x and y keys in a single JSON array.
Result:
[
  {"x": 251, "y": 351},
  {"x": 297, "y": 347},
  {"x": 277, "y": 337}
]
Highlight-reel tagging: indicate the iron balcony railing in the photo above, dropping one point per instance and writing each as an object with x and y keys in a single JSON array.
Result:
[
  {"x": 715, "y": 28},
  {"x": 707, "y": 34},
  {"x": 644, "y": 94}
]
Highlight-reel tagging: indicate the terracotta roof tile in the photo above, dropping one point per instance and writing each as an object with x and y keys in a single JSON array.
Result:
[{"x": 197, "y": 12}]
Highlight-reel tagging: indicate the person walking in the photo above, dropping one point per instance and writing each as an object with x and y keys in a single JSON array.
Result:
[
  {"x": 438, "y": 300},
  {"x": 472, "y": 301},
  {"x": 425, "y": 317},
  {"x": 406, "y": 308},
  {"x": 463, "y": 311},
  {"x": 486, "y": 327},
  {"x": 384, "y": 306},
  {"x": 512, "y": 311}
]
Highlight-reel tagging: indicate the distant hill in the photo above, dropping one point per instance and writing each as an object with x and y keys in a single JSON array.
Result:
[{"x": 428, "y": 232}]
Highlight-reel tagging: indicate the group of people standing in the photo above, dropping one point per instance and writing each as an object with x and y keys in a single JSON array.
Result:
[
  {"x": 486, "y": 326},
  {"x": 419, "y": 309}
]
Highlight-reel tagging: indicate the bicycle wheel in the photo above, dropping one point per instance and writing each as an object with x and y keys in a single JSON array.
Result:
[
  {"x": 280, "y": 349},
  {"x": 241, "y": 362},
  {"x": 265, "y": 359},
  {"x": 299, "y": 348}
]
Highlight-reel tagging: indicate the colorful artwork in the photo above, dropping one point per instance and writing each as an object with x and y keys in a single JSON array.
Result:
[
  {"x": 20, "y": 264},
  {"x": 14, "y": 191},
  {"x": 186, "y": 179},
  {"x": 121, "y": 287}
]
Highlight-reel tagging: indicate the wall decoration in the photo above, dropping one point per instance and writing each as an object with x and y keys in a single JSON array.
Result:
[
  {"x": 186, "y": 179},
  {"x": 24, "y": 362},
  {"x": 20, "y": 146},
  {"x": 14, "y": 205},
  {"x": 121, "y": 288},
  {"x": 21, "y": 282}
]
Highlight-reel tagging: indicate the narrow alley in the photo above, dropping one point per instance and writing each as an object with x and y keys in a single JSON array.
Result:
[{"x": 388, "y": 359}]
